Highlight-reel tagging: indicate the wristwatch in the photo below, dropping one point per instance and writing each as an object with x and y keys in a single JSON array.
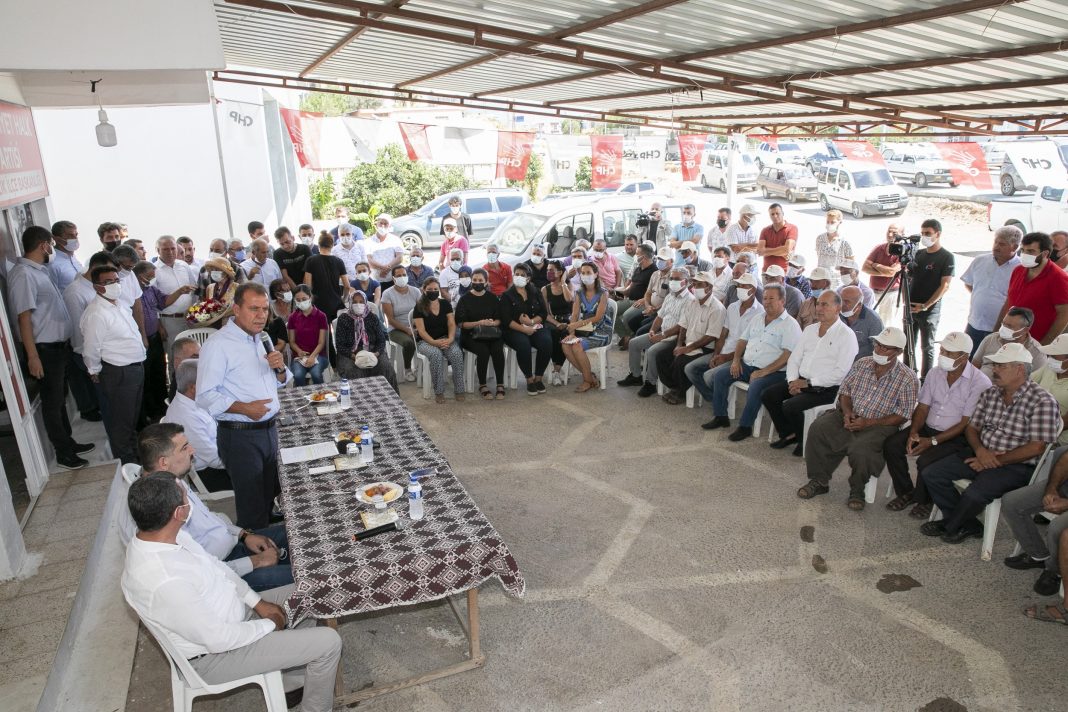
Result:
[{"x": 934, "y": 441}]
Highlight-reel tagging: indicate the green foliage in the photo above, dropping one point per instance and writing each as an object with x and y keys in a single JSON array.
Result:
[
  {"x": 393, "y": 184},
  {"x": 323, "y": 196},
  {"x": 335, "y": 104},
  {"x": 584, "y": 174},
  {"x": 535, "y": 170}
]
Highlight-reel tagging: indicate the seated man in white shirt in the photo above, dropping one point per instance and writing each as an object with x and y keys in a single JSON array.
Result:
[
  {"x": 259, "y": 267},
  {"x": 210, "y": 616},
  {"x": 200, "y": 428},
  {"x": 259, "y": 557},
  {"x": 662, "y": 335}
]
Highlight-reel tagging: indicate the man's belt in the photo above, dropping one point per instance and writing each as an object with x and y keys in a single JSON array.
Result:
[{"x": 239, "y": 425}]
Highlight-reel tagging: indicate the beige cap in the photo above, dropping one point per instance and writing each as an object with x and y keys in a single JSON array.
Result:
[
  {"x": 847, "y": 264},
  {"x": 891, "y": 336},
  {"x": 706, "y": 277},
  {"x": 797, "y": 260},
  {"x": 688, "y": 245},
  {"x": 959, "y": 341},
  {"x": 1057, "y": 347},
  {"x": 365, "y": 359},
  {"x": 775, "y": 271},
  {"x": 818, "y": 274},
  {"x": 747, "y": 209},
  {"x": 666, "y": 253},
  {"x": 1011, "y": 353},
  {"x": 449, "y": 221},
  {"x": 747, "y": 279}
]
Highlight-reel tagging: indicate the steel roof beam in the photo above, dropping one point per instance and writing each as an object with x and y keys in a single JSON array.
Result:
[{"x": 343, "y": 43}]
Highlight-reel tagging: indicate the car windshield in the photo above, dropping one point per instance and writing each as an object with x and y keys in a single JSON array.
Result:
[
  {"x": 873, "y": 178},
  {"x": 796, "y": 174},
  {"x": 429, "y": 207},
  {"x": 514, "y": 234},
  {"x": 791, "y": 147}
]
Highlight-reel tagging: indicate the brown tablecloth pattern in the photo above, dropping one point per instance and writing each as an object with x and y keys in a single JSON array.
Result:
[{"x": 452, "y": 549}]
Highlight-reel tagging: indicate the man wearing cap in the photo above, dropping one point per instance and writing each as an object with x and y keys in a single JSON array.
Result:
[
  {"x": 634, "y": 291},
  {"x": 946, "y": 403},
  {"x": 746, "y": 264},
  {"x": 717, "y": 235},
  {"x": 777, "y": 241},
  {"x": 820, "y": 282},
  {"x": 723, "y": 272},
  {"x": 657, "y": 230},
  {"x": 689, "y": 255},
  {"x": 1039, "y": 284},
  {"x": 876, "y": 397},
  {"x": 1010, "y": 427},
  {"x": 884, "y": 268},
  {"x": 815, "y": 369},
  {"x": 689, "y": 231},
  {"x": 777, "y": 275},
  {"x": 1015, "y": 329},
  {"x": 700, "y": 325},
  {"x": 453, "y": 241},
  {"x": 795, "y": 275},
  {"x": 746, "y": 307},
  {"x": 742, "y": 235},
  {"x": 987, "y": 280},
  {"x": 662, "y": 335},
  {"x": 538, "y": 266},
  {"x": 863, "y": 321},
  {"x": 849, "y": 276},
  {"x": 932, "y": 270},
  {"x": 759, "y": 359}
]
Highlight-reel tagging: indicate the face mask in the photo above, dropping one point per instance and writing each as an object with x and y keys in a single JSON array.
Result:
[
  {"x": 687, "y": 219},
  {"x": 456, "y": 265},
  {"x": 478, "y": 287},
  {"x": 946, "y": 363},
  {"x": 676, "y": 284},
  {"x": 110, "y": 246},
  {"x": 112, "y": 291},
  {"x": 416, "y": 261},
  {"x": 1028, "y": 261},
  {"x": 721, "y": 223},
  {"x": 597, "y": 254},
  {"x": 719, "y": 262},
  {"x": 346, "y": 241},
  {"x": 239, "y": 255},
  {"x": 537, "y": 259},
  {"x": 151, "y": 282},
  {"x": 851, "y": 313},
  {"x": 455, "y": 210},
  {"x": 304, "y": 305},
  {"x": 71, "y": 246},
  {"x": 493, "y": 257},
  {"x": 520, "y": 281},
  {"x": 215, "y": 255},
  {"x": 793, "y": 272},
  {"x": 832, "y": 228},
  {"x": 381, "y": 230},
  {"x": 433, "y": 295},
  {"x": 342, "y": 221},
  {"x": 359, "y": 309},
  {"x": 287, "y": 297},
  {"x": 401, "y": 281},
  {"x": 700, "y": 293},
  {"x": 216, "y": 276},
  {"x": 550, "y": 275},
  {"x": 48, "y": 257},
  {"x": 1006, "y": 333},
  {"x": 588, "y": 279},
  {"x": 661, "y": 264},
  {"x": 465, "y": 282},
  {"x": 363, "y": 276},
  {"x": 305, "y": 240},
  {"x": 847, "y": 279},
  {"x": 880, "y": 359},
  {"x": 744, "y": 293},
  {"x": 1055, "y": 365},
  {"x": 927, "y": 241},
  {"x": 817, "y": 292}
]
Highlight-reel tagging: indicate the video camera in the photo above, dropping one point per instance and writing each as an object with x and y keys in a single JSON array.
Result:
[
  {"x": 904, "y": 248},
  {"x": 642, "y": 220}
]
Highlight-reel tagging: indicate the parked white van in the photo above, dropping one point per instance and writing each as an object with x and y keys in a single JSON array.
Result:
[
  {"x": 861, "y": 189},
  {"x": 714, "y": 170}
]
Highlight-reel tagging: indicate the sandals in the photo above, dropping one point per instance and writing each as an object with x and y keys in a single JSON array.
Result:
[
  {"x": 460, "y": 397},
  {"x": 921, "y": 511},
  {"x": 1038, "y": 613},
  {"x": 484, "y": 391},
  {"x": 588, "y": 386},
  {"x": 812, "y": 489},
  {"x": 901, "y": 501},
  {"x": 500, "y": 392},
  {"x": 439, "y": 397}
]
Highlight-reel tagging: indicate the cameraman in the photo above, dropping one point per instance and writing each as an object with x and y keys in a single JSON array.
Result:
[
  {"x": 654, "y": 229},
  {"x": 883, "y": 268},
  {"x": 931, "y": 272}
]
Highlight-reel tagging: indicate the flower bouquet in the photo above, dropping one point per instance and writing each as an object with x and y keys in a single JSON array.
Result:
[{"x": 206, "y": 313}]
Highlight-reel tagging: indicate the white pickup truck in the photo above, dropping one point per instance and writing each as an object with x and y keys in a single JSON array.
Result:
[{"x": 1046, "y": 211}]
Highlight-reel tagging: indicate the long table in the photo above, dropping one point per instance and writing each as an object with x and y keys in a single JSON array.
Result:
[{"x": 452, "y": 550}]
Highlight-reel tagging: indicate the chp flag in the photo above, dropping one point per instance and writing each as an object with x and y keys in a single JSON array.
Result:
[
  {"x": 1038, "y": 162},
  {"x": 691, "y": 147},
  {"x": 859, "y": 151},
  {"x": 513, "y": 153},
  {"x": 415, "y": 140},
  {"x": 967, "y": 164},
  {"x": 607, "y": 161},
  {"x": 304, "y": 131}
]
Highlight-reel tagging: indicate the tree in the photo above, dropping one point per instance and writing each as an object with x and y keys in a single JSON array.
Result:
[
  {"x": 393, "y": 184},
  {"x": 584, "y": 174},
  {"x": 535, "y": 170},
  {"x": 323, "y": 194},
  {"x": 335, "y": 104}
]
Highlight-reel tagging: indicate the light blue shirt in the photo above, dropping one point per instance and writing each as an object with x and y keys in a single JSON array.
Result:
[
  {"x": 64, "y": 268},
  {"x": 30, "y": 288},
  {"x": 232, "y": 370},
  {"x": 765, "y": 342},
  {"x": 990, "y": 288},
  {"x": 269, "y": 271},
  {"x": 692, "y": 232}
]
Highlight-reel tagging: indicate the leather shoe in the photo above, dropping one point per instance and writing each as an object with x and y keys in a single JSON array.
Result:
[
  {"x": 962, "y": 533},
  {"x": 646, "y": 390},
  {"x": 1024, "y": 561},
  {"x": 799, "y": 450},
  {"x": 720, "y": 421},
  {"x": 294, "y": 697},
  {"x": 783, "y": 442},
  {"x": 740, "y": 433},
  {"x": 933, "y": 528},
  {"x": 1048, "y": 583},
  {"x": 630, "y": 380}
]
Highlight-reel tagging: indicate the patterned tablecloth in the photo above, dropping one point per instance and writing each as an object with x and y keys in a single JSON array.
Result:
[{"x": 452, "y": 549}]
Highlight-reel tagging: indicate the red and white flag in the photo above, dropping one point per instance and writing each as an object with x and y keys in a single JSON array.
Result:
[
  {"x": 967, "y": 164},
  {"x": 607, "y": 161},
  {"x": 691, "y": 147},
  {"x": 513, "y": 153},
  {"x": 305, "y": 129},
  {"x": 415, "y": 141},
  {"x": 859, "y": 151}
]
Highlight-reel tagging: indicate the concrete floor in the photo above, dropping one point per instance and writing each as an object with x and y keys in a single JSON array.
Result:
[{"x": 666, "y": 570}]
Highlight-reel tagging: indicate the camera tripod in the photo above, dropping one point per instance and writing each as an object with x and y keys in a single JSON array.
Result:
[{"x": 904, "y": 300}]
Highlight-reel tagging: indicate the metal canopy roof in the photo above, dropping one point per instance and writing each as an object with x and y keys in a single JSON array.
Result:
[{"x": 762, "y": 66}]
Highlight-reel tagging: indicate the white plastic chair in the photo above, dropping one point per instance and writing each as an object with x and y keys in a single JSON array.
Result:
[
  {"x": 203, "y": 492},
  {"x": 200, "y": 334},
  {"x": 732, "y": 405},
  {"x": 130, "y": 473},
  {"x": 186, "y": 684},
  {"x": 601, "y": 352}
]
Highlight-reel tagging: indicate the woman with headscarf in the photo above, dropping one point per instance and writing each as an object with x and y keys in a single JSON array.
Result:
[
  {"x": 463, "y": 284},
  {"x": 361, "y": 343}
]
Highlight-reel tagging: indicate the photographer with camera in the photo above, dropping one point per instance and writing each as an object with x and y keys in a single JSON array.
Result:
[
  {"x": 652, "y": 227},
  {"x": 884, "y": 268},
  {"x": 931, "y": 271}
]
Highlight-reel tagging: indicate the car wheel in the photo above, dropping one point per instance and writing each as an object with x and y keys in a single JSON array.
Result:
[
  {"x": 858, "y": 211},
  {"x": 1008, "y": 185},
  {"x": 764, "y": 192},
  {"x": 790, "y": 196},
  {"x": 824, "y": 205},
  {"x": 411, "y": 239},
  {"x": 722, "y": 186},
  {"x": 920, "y": 180}
]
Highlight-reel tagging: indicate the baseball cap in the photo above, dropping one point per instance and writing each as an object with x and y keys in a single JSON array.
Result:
[
  {"x": 688, "y": 245},
  {"x": 1057, "y": 347},
  {"x": 797, "y": 261},
  {"x": 774, "y": 271},
  {"x": 449, "y": 221},
  {"x": 818, "y": 274},
  {"x": 706, "y": 277},
  {"x": 959, "y": 341},
  {"x": 666, "y": 253},
  {"x": 891, "y": 336},
  {"x": 747, "y": 209},
  {"x": 747, "y": 279},
  {"x": 848, "y": 264},
  {"x": 1011, "y": 353}
]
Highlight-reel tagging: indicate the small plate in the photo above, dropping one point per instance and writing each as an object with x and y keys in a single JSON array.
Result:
[
  {"x": 389, "y": 491},
  {"x": 324, "y": 397}
]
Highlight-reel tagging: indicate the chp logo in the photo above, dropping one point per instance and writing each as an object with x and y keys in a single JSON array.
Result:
[
  {"x": 241, "y": 119},
  {"x": 860, "y": 151},
  {"x": 691, "y": 154},
  {"x": 512, "y": 157},
  {"x": 962, "y": 161},
  {"x": 606, "y": 160}
]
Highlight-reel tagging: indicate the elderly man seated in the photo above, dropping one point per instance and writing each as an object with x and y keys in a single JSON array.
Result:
[
  {"x": 795, "y": 275},
  {"x": 206, "y": 611},
  {"x": 876, "y": 397},
  {"x": 538, "y": 266},
  {"x": 1053, "y": 377},
  {"x": 774, "y": 274},
  {"x": 1015, "y": 328},
  {"x": 861, "y": 319},
  {"x": 723, "y": 271},
  {"x": 199, "y": 426},
  {"x": 814, "y": 371},
  {"x": 741, "y": 311},
  {"x": 818, "y": 284},
  {"x": 699, "y": 326},
  {"x": 608, "y": 270},
  {"x": 662, "y": 336},
  {"x": 1012, "y": 423},
  {"x": 850, "y": 277},
  {"x": 259, "y": 557},
  {"x": 747, "y": 264},
  {"x": 259, "y": 267},
  {"x": 759, "y": 360},
  {"x": 640, "y": 314},
  {"x": 182, "y": 349},
  {"x": 946, "y": 402},
  {"x": 1041, "y": 550}
]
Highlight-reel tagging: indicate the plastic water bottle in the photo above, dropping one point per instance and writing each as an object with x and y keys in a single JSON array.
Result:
[
  {"x": 346, "y": 393},
  {"x": 415, "y": 499},
  {"x": 367, "y": 449}
]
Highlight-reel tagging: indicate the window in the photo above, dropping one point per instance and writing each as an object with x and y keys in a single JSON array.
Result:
[
  {"x": 567, "y": 231},
  {"x": 442, "y": 210},
  {"x": 1053, "y": 194},
  {"x": 828, "y": 175},
  {"x": 628, "y": 188},
  {"x": 843, "y": 180},
  {"x": 508, "y": 203},
  {"x": 479, "y": 205},
  {"x": 645, "y": 186},
  {"x": 618, "y": 224}
]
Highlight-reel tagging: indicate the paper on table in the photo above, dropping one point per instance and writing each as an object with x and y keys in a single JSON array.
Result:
[{"x": 307, "y": 453}]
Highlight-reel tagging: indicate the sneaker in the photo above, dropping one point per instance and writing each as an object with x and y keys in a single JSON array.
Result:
[
  {"x": 1024, "y": 561},
  {"x": 71, "y": 463},
  {"x": 647, "y": 390},
  {"x": 409, "y": 376},
  {"x": 540, "y": 385},
  {"x": 82, "y": 448},
  {"x": 558, "y": 378},
  {"x": 532, "y": 389},
  {"x": 720, "y": 421},
  {"x": 630, "y": 380}
]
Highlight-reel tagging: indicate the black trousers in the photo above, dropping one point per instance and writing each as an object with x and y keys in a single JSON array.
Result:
[
  {"x": 788, "y": 412},
  {"x": 81, "y": 386},
  {"x": 898, "y": 465},
  {"x": 251, "y": 459},
  {"x": 55, "y": 358},
  {"x": 557, "y": 336},
  {"x": 215, "y": 480},
  {"x": 124, "y": 387},
  {"x": 524, "y": 345},
  {"x": 484, "y": 351},
  {"x": 671, "y": 368},
  {"x": 155, "y": 380},
  {"x": 924, "y": 326},
  {"x": 635, "y": 321}
]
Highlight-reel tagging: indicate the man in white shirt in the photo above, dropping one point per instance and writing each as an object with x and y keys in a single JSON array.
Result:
[
  {"x": 661, "y": 335},
  {"x": 114, "y": 354},
  {"x": 189, "y": 253},
  {"x": 349, "y": 249},
  {"x": 449, "y": 278},
  {"x": 723, "y": 272},
  {"x": 987, "y": 280},
  {"x": 205, "y": 611},
  {"x": 130, "y": 294},
  {"x": 742, "y": 235},
  {"x": 174, "y": 275},
  {"x": 200, "y": 428},
  {"x": 259, "y": 267},
  {"x": 717, "y": 236},
  {"x": 384, "y": 251},
  {"x": 814, "y": 371},
  {"x": 741, "y": 311},
  {"x": 700, "y": 325}
]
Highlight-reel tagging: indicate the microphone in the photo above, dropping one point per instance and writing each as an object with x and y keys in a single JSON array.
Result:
[
  {"x": 268, "y": 346},
  {"x": 397, "y": 526}
]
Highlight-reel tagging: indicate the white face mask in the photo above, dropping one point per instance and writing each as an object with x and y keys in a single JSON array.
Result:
[
  {"x": 416, "y": 261},
  {"x": 304, "y": 305},
  {"x": 927, "y": 241},
  {"x": 537, "y": 259},
  {"x": 493, "y": 257},
  {"x": 152, "y": 282},
  {"x": 1028, "y": 261},
  {"x": 597, "y": 254},
  {"x": 700, "y": 292},
  {"x": 744, "y": 293},
  {"x": 465, "y": 282},
  {"x": 215, "y": 255},
  {"x": 880, "y": 359},
  {"x": 519, "y": 281},
  {"x": 676, "y": 285},
  {"x": 363, "y": 276},
  {"x": 847, "y": 279},
  {"x": 687, "y": 219},
  {"x": 287, "y": 297},
  {"x": 401, "y": 281},
  {"x": 1056, "y": 365},
  {"x": 454, "y": 209},
  {"x": 456, "y": 265},
  {"x": 71, "y": 246},
  {"x": 359, "y": 308},
  {"x": 216, "y": 275},
  {"x": 719, "y": 262},
  {"x": 793, "y": 271},
  {"x": 381, "y": 230},
  {"x": 588, "y": 279},
  {"x": 112, "y": 291},
  {"x": 852, "y": 312},
  {"x": 305, "y": 240},
  {"x": 946, "y": 363},
  {"x": 1006, "y": 333},
  {"x": 832, "y": 228},
  {"x": 347, "y": 241}
]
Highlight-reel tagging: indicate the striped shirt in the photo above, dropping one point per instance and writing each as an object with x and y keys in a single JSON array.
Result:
[
  {"x": 1032, "y": 415},
  {"x": 873, "y": 397}
]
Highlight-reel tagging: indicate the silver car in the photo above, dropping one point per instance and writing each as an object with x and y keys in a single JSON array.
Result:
[{"x": 486, "y": 207}]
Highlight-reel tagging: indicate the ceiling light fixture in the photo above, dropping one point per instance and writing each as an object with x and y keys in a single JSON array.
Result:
[{"x": 105, "y": 132}]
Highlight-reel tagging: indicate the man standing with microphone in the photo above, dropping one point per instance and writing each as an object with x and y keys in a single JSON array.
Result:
[{"x": 237, "y": 383}]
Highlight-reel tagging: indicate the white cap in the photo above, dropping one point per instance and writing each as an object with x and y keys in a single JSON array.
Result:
[
  {"x": 959, "y": 341},
  {"x": 706, "y": 277},
  {"x": 891, "y": 336},
  {"x": 688, "y": 245},
  {"x": 747, "y": 209},
  {"x": 666, "y": 253},
  {"x": 797, "y": 261},
  {"x": 747, "y": 279},
  {"x": 1057, "y": 347},
  {"x": 847, "y": 264},
  {"x": 449, "y": 221},
  {"x": 1011, "y": 353},
  {"x": 818, "y": 274},
  {"x": 775, "y": 271}
]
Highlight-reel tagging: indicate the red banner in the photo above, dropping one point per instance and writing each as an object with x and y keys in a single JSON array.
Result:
[
  {"x": 304, "y": 130},
  {"x": 691, "y": 147},
  {"x": 513, "y": 153},
  {"x": 967, "y": 164},
  {"x": 772, "y": 141},
  {"x": 859, "y": 151},
  {"x": 22, "y": 176},
  {"x": 607, "y": 161},
  {"x": 415, "y": 141}
]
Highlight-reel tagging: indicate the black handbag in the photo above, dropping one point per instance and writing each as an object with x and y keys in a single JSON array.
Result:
[{"x": 483, "y": 332}]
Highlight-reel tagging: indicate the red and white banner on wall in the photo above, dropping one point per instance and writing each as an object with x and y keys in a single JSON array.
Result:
[
  {"x": 859, "y": 151},
  {"x": 691, "y": 147},
  {"x": 513, "y": 154},
  {"x": 967, "y": 164},
  {"x": 22, "y": 177},
  {"x": 305, "y": 129},
  {"x": 607, "y": 161},
  {"x": 415, "y": 141}
]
